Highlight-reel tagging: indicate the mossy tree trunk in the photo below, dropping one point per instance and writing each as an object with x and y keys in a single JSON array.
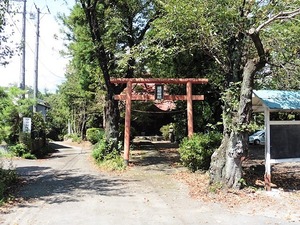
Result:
[{"x": 226, "y": 166}]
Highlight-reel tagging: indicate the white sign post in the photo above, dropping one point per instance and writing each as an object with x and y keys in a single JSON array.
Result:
[{"x": 26, "y": 125}]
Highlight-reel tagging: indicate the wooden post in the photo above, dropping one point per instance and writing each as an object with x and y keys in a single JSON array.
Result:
[
  {"x": 189, "y": 108},
  {"x": 127, "y": 122}
]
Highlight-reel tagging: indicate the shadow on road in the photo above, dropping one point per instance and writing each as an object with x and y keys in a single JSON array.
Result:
[
  {"x": 160, "y": 156},
  {"x": 54, "y": 186}
]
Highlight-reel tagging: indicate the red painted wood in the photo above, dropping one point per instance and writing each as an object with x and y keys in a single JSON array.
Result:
[
  {"x": 160, "y": 80},
  {"x": 152, "y": 97},
  {"x": 127, "y": 122},
  {"x": 129, "y": 97},
  {"x": 190, "y": 109}
]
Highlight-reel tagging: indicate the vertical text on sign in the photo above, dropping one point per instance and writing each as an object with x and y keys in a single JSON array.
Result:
[{"x": 26, "y": 124}]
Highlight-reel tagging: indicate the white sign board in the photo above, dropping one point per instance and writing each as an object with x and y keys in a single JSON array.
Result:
[{"x": 26, "y": 125}]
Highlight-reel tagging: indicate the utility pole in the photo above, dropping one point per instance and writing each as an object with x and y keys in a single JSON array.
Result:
[
  {"x": 23, "y": 46},
  {"x": 22, "y": 76},
  {"x": 36, "y": 71}
]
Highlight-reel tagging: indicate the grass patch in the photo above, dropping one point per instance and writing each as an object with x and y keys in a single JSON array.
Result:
[
  {"x": 107, "y": 157},
  {"x": 113, "y": 164}
]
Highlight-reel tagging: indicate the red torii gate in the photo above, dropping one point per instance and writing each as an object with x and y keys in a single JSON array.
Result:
[{"x": 189, "y": 97}]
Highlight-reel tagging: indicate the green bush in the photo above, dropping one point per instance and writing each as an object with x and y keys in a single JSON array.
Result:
[
  {"x": 19, "y": 149},
  {"x": 100, "y": 151},
  {"x": 25, "y": 139},
  {"x": 28, "y": 156},
  {"x": 107, "y": 158},
  {"x": 165, "y": 130},
  {"x": 73, "y": 137},
  {"x": 195, "y": 153},
  {"x": 94, "y": 135},
  {"x": 8, "y": 177},
  {"x": 113, "y": 161}
]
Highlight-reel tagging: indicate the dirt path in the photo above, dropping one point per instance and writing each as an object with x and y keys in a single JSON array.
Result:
[{"x": 68, "y": 189}]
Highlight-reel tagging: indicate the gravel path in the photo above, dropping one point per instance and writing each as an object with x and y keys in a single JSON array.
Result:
[{"x": 68, "y": 189}]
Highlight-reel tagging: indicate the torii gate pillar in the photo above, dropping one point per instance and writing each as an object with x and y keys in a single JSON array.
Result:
[
  {"x": 190, "y": 109},
  {"x": 127, "y": 122},
  {"x": 189, "y": 97}
]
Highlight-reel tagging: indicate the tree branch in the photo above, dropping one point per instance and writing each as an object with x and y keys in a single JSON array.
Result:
[
  {"x": 147, "y": 26},
  {"x": 254, "y": 34},
  {"x": 280, "y": 16}
]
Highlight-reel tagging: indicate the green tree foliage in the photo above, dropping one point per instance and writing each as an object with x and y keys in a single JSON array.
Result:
[
  {"x": 81, "y": 94},
  {"x": 196, "y": 152},
  {"x": 94, "y": 135},
  {"x": 57, "y": 116},
  {"x": 283, "y": 70},
  {"x": 12, "y": 107},
  {"x": 85, "y": 106},
  {"x": 5, "y": 50}
]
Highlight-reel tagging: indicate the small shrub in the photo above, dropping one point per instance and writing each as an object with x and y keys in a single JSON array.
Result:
[
  {"x": 99, "y": 151},
  {"x": 166, "y": 129},
  {"x": 94, "y": 135},
  {"x": 25, "y": 138},
  {"x": 113, "y": 161},
  {"x": 195, "y": 153},
  {"x": 74, "y": 137},
  {"x": 8, "y": 177},
  {"x": 19, "y": 149},
  {"x": 107, "y": 159},
  {"x": 215, "y": 187},
  {"x": 28, "y": 156}
]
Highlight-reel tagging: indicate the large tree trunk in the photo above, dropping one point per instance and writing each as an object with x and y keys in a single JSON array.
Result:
[
  {"x": 112, "y": 115},
  {"x": 111, "y": 120},
  {"x": 226, "y": 164}
]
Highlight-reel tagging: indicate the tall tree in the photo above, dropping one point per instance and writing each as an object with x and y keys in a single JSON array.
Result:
[
  {"x": 115, "y": 27},
  {"x": 83, "y": 86},
  {"x": 57, "y": 115},
  {"x": 237, "y": 36}
]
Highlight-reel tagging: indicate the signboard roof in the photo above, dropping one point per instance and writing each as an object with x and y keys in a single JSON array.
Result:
[{"x": 275, "y": 100}]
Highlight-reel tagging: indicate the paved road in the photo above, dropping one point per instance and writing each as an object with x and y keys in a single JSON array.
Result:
[{"x": 67, "y": 189}]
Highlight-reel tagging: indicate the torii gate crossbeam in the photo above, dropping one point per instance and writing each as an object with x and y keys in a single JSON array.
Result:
[{"x": 189, "y": 97}]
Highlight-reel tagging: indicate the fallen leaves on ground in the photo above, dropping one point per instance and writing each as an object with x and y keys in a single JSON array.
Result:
[{"x": 258, "y": 198}]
